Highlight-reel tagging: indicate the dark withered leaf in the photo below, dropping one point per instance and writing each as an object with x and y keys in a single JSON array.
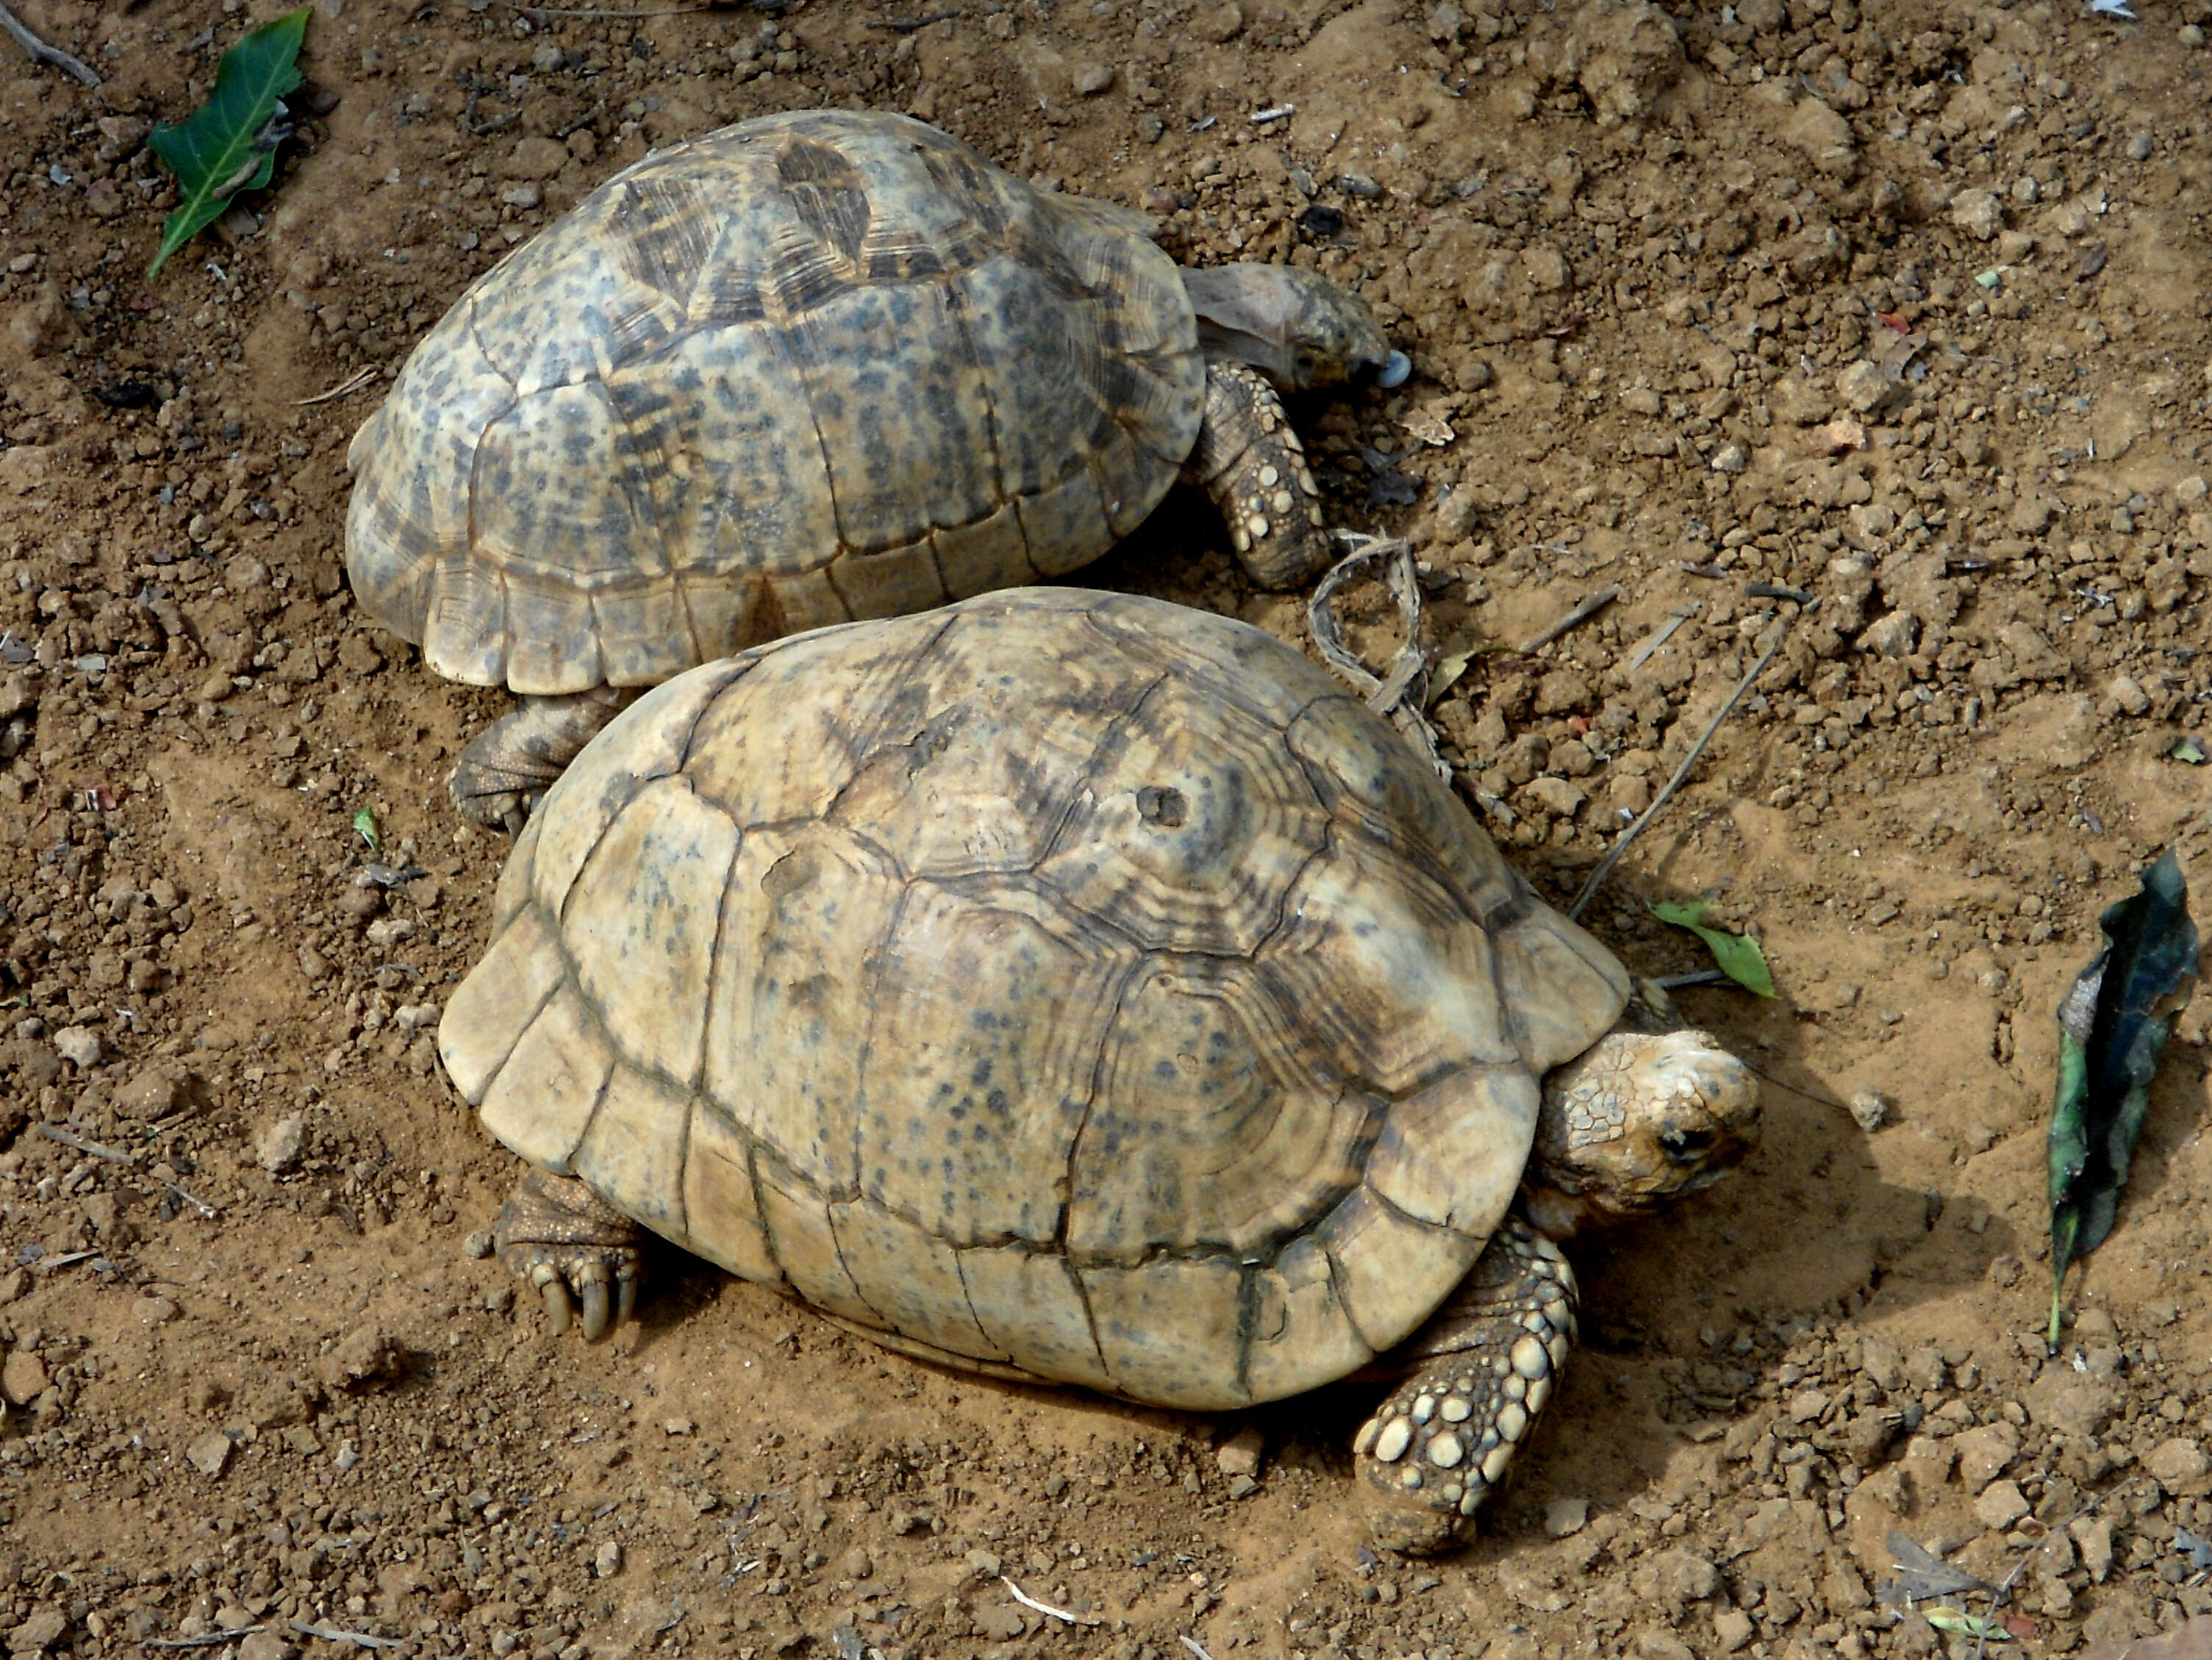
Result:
[{"x": 2112, "y": 1028}]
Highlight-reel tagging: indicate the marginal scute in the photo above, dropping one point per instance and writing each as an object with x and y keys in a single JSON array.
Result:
[
  {"x": 540, "y": 1100},
  {"x": 1392, "y": 1269},
  {"x": 1552, "y": 978},
  {"x": 797, "y": 1218},
  {"x": 1302, "y": 1335},
  {"x": 492, "y": 1008},
  {"x": 1030, "y": 1307},
  {"x": 632, "y": 1154},
  {"x": 721, "y": 1207},
  {"x": 910, "y": 1277},
  {"x": 1163, "y": 1331}
]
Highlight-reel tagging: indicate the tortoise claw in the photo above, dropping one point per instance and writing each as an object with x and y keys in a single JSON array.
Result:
[
  {"x": 558, "y": 1310},
  {"x": 596, "y": 1322},
  {"x": 514, "y": 818}
]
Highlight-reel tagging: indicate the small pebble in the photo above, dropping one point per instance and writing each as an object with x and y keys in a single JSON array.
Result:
[
  {"x": 1240, "y": 1454},
  {"x": 282, "y": 1144},
  {"x": 607, "y": 1561},
  {"x": 478, "y": 1246},
  {"x": 1565, "y": 1516},
  {"x": 1871, "y": 1109}
]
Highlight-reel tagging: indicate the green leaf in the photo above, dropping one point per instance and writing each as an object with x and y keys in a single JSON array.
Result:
[
  {"x": 1738, "y": 954},
  {"x": 364, "y": 823},
  {"x": 2112, "y": 1028},
  {"x": 229, "y": 143},
  {"x": 2189, "y": 750},
  {"x": 1958, "y": 1623}
]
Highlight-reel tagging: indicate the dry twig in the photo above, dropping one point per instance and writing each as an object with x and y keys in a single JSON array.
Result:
[
  {"x": 69, "y": 1139},
  {"x": 207, "y": 1640},
  {"x": 1196, "y": 1648},
  {"x": 1399, "y": 695},
  {"x": 42, "y": 52},
  {"x": 359, "y": 1638},
  {"x": 1047, "y": 1609},
  {"x": 908, "y": 25},
  {"x": 1620, "y": 843},
  {"x": 1580, "y": 614},
  {"x": 359, "y": 378}
]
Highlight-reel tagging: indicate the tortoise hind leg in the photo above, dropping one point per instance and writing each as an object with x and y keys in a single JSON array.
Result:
[
  {"x": 557, "y": 1235},
  {"x": 508, "y": 767},
  {"x": 1477, "y": 1375}
]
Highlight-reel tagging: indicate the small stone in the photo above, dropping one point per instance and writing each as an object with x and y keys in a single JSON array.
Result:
[
  {"x": 314, "y": 966},
  {"x": 536, "y": 157},
  {"x": 1892, "y": 636},
  {"x": 2191, "y": 36},
  {"x": 1563, "y": 1518},
  {"x": 677, "y": 1425},
  {"x": 1732, "y": 1629},
  {"x": 1554, "y": 795},
  {"x": 478, "y": 1246},
  {"x": 282, "y": 1144},
  {"x": 2128, "y": 695},
  {"x": 1985, "y": 1452},
  {"x": 1730, "y": 459},
  {"x": 2001, "y": 1504},
  {"x": 1807, "y": 1406},
  {"x": 1560, "y": 691},
  {"x": 1979, "y": 213},
  {"x": 1093, "y": 78},
  {"x": 521, "y": 196},
  {"x": 1683, "y": 1575},
  {"x": 2140, "y": 142},
  {"x": 1240, "y": 1454},
  {"x": 607, "y": 1561},
  {"x": 1863, "y": 387},
  {"x": 265, "y": 1645},
  {"x": 38, "y": 1633},
  {"x": 1870, "y": 1108},
  {"x": 1243, "y": 1486},
  {"x": 210, "y": 1454},
  {"x": 23, "y": 1378},
  {"x": 2180, "y": 1464},
  {"x": 78, "y": 1045},
  {"x": 153, "y": 1311}
]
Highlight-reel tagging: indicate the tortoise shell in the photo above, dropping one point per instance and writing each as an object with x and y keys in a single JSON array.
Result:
[
  {"x": 809, "y": 369},
  {"x": 1065, "y": 983}
]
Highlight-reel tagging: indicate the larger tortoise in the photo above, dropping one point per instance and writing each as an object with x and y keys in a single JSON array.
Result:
[
  {"x": 1075, "y": 987},
  {"x": 809, "y": 369}
]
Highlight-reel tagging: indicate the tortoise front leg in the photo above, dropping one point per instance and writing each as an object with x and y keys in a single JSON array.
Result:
[
  {"x": 1250, "y": 462},
  {"x": 561, "y": 1237},
  {"x": 508, "y": 767},
  {"x": 1480, "y": 1370}
]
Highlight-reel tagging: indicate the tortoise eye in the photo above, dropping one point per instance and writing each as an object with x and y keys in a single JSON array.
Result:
[{"x": 1685, "y": 1146}]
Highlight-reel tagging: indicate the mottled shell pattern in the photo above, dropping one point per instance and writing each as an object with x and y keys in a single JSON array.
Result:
[
  {"x": 1072, "y": 985},
  {"x": 808, "y": 368}
]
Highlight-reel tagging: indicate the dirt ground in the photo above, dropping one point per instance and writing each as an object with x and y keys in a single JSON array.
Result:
[{"x": 1898, "y": 305}]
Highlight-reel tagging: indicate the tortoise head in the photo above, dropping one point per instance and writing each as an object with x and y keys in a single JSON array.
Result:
[
  {"x": 1634, "y": 1120},
  {"x": 1296, "y": 327}
]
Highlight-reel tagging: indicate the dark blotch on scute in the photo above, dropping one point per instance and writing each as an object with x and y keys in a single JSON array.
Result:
[{"x": 1164, "y": 807}]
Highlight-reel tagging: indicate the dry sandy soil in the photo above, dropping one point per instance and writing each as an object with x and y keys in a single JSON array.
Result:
[{"x": 1898, "y": 305}]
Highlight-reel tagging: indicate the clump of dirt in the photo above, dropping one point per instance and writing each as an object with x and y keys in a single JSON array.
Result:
[{"x": 1884, "y": 323}]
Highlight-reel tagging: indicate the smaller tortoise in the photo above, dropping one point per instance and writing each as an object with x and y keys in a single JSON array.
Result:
[
  {"x": 1074, "y": 987},
  {"x": 813, "y": 368}
]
